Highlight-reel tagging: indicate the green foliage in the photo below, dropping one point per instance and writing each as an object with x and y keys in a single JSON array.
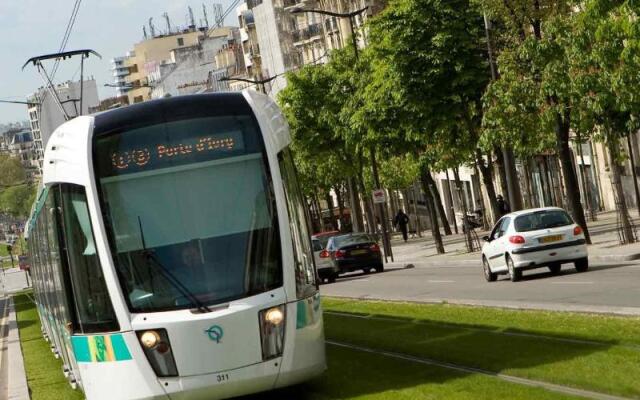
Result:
[
  {"x": 397, "y": 173},
  {"x": 11, "y": 171},
  {"x": 312, "y": 111},
  {"x": 534, "y": 87},
  {"x": 17, "y": 200},
  {"x": 428, "y": 76},
  {"x": 604, "y": 56}
]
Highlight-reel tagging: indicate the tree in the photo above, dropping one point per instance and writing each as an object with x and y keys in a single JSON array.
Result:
[
  {"x": 17, "y": 200},
  {"x": 322, "y": 155},
  {"x": 604, "y": 54},
  {"x": 12, "y": 171},
  {"x": 534, "y": 90},
  {"x": 427, "y": 81}
]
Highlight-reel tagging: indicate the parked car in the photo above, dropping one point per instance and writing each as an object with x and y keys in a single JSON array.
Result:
[
  {"x": 352, "y": 252},
  {"x": 325, "y": 267},
  {"x": 536, "y": 238}
]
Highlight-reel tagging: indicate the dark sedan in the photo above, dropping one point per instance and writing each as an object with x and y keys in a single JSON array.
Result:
[{"x": 356, "y": 251}]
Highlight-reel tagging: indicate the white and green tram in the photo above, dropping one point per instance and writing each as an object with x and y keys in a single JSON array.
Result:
[{"x": 171, "y": 257}]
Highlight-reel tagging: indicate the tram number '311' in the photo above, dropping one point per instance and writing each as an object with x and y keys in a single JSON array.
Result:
[{"x": 222, "y": 378}]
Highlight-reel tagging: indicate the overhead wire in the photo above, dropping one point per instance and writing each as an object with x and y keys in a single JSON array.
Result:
[
  {"x": 65, "y": 41},
  {"x": 67, "y": 35}
]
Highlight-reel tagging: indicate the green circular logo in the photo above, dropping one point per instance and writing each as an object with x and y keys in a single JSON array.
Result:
[{"x": 215, "y": 333}]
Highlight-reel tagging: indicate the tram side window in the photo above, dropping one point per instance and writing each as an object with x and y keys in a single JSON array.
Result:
[
  {"x": 93, "y": 305},
  {"x": 301, "y": 241}
]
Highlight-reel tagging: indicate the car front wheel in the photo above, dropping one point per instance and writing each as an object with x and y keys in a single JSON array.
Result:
[
  {"x": 514, "y": 274},
  {"x": 582, "y": 265},
  {"x": 488, "y": 275}
]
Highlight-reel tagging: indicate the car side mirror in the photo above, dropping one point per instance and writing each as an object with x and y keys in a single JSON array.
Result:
[{"x": 486, "y": 238}]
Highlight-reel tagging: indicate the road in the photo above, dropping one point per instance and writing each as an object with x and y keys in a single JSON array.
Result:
[{"x": 606, "y": 287}]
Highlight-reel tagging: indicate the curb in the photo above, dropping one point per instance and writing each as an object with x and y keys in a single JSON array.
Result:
[
  {"x": 508, "y": 305},
  {"x": 476, "y": 262},
  {"x": 18, "y": 388}
]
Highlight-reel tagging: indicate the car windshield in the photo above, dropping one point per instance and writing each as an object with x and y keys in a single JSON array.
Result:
[
  {"x": 348, "y": 240},
  {"x": 190, "y": 212},
  {"x": 544, "y": 219}
]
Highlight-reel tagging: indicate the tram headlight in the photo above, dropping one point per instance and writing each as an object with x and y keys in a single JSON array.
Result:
[
  {"x": 150, "y": 339},
  {"x": 156, "y": 346},
  {"x": 272, "y": 328}
]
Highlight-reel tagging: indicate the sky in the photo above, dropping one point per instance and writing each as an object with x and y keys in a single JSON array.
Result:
[{"x": 30, "y": 28}]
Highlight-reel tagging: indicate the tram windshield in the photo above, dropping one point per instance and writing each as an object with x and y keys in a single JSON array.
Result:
[{"x": 190, "y": 212}]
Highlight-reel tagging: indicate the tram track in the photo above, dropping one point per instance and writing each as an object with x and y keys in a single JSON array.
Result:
[{"x": 472, "y": 370}]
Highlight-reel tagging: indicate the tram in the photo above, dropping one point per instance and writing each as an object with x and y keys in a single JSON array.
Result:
[{"x": 171, "y": 257}]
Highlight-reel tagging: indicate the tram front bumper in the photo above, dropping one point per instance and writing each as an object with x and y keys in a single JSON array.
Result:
[{"x": 225, "y": 384}]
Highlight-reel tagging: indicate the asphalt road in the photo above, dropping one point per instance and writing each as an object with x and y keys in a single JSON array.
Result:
[
  {"x": 4, "y": 381},
  {"x": 606, "y": 287}
]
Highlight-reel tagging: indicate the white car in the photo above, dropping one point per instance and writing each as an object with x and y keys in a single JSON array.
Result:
[
  {"x": 529, "y": 239},
  {"x": 324, "y": 265}
]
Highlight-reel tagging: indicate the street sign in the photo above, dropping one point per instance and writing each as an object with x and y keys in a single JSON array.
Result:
[{"x": 379, "y": 196}]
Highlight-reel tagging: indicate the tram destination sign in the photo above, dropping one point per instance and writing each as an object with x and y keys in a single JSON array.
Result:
[{"x": 124, "y": 158}]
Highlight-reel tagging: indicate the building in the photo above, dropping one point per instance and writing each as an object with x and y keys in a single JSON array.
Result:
[
  {"x": 120, "y": 70},
  {"x": 147, "y": 57},
  {"x": 45, "y": 114},
  {"x": 195, "y": 68},
  {"x": 110, "y": 103},
  {"x": 277, "y": 39},
  {"x": 18, "y": 143}
]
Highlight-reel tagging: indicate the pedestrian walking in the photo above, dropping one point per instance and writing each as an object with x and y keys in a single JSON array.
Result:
[
  {"x": 401, "y": 220},
  {"x": 503, "y": 206}
]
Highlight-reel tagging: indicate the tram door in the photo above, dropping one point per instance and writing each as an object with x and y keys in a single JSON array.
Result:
[{"x": 61, "y": 279}]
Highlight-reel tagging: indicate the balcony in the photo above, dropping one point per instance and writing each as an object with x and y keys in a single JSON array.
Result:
[{"x": 308, "y": 33}]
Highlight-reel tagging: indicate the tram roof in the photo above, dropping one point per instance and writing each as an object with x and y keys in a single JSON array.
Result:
[{"x": 170, "y": 109}]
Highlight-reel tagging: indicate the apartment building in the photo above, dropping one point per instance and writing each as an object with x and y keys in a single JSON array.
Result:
[{"x": 45, "y": 114}]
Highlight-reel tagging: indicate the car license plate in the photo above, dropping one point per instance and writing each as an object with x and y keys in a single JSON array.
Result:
[
  {"x": 550, "y": 239},
  {"x": 358, "y": 252}
]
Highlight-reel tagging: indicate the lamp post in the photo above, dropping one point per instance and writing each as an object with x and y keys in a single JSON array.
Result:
[{"x": 374, "y": 165}]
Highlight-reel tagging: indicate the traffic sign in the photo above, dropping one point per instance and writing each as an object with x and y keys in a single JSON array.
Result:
[{"x": 379, "y": 196}]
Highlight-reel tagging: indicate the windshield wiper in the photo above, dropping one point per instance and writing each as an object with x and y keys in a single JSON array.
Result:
[{"x": 150, "y": 255}]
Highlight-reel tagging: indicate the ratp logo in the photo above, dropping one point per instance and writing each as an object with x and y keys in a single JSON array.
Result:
[{"x": 215, "y": 333}]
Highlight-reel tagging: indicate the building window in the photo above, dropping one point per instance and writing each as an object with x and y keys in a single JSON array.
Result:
[
  {"x": 180, "y": 42},
  {"x": 137, "y": 99}
]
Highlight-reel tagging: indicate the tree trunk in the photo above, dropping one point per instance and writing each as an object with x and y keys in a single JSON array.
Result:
[
  {"x": 633, "y": 172},
  {"x": 329, "y": 200},
  {"x": 357, "y": 220},
  {"x": 383, "y": 215},
  {"x": 340, "y": 199},
  {"x": 438, "y": 203},
  {"x": 623, "y": 212},
  {"x": 503, "y": 174},
  {"x": 435, "y": 229},
  {"x": 465, "y": 209},
  {"x": 416, "y": 192},
  {"x": 487, "y": 180},
  {"x": 451, "y": 204},
  {"x": 572, "y": 190},
  {"x": 511, "y": 174}
]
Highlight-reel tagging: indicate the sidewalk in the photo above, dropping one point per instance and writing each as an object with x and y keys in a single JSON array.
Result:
[
  {"x": 604, "y": 236},
  {"x": 11, "y": 361}
]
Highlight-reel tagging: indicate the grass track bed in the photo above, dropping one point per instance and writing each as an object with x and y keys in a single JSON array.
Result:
[
  {"x": 470, "y": 337},
  {"x": 357, "y": 375},
  {"x": 44, "y": 371}
]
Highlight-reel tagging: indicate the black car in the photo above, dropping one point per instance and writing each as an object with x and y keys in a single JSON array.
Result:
[{"x": 356, "y": 251}]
